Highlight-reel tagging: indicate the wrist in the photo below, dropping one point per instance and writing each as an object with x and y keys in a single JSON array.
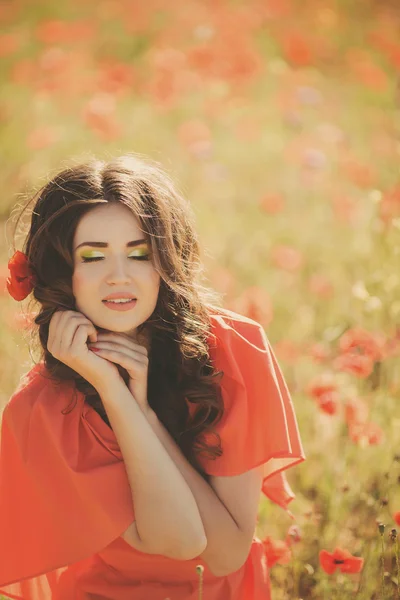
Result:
[
  {"x": 111, "y": 384},
  {"x": 150, "y": 415}
]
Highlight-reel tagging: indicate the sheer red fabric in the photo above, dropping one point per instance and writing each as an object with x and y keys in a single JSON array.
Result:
[
  {"x": 65, "y": 498},
  {"x": 259, "y": 425}
]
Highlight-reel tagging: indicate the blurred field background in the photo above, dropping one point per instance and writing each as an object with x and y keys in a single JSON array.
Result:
[{"x": 279, "y": 119}]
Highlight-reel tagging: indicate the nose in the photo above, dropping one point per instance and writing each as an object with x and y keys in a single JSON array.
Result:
[{"x": 119, "y": 271}]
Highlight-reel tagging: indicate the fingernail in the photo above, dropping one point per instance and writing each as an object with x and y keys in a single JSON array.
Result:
[{"x": 95, "y": 349}]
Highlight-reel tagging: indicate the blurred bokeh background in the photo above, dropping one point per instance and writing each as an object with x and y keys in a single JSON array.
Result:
[{"x": 279, "y": 120}]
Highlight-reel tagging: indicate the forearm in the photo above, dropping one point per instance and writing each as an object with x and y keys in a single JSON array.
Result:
[
  {"x": 167, "y": 516},
  {"x": 220, "y": 527}
]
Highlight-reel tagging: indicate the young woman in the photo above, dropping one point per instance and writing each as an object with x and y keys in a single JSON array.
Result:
[{"x": 136, "y": 449}]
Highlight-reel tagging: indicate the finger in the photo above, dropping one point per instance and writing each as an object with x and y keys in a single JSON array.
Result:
[
  {"x": 53, "y": 326},
  {"x": 126, "y": 342},
  {"x": 57, "y": 325},
  {"x": 93, "y": 331},
  {"x": 80, "y": 337},
  {"x": 128, "y": 362},
  {"x": 69, "y": 328},
  {"x": 112, "y": 346},
  {"x": 76, "y": 315},
  {"x": 63, "y": 327}
]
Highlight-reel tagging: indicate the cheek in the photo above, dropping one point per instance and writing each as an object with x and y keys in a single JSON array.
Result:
[
  {"x": 155, "y": 281},
  {"x": 79, "y": 282}
]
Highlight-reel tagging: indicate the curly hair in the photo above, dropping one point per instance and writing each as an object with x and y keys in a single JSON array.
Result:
[{"x": 180, "y": 369}]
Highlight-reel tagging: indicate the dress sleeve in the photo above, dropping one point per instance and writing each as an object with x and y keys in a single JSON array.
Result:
[
  {"x": 259, "y": 425},
  {"x": 64, "y": 491}
]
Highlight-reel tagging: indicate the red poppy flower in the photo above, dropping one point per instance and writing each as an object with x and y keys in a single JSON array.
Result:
[
  {"x": 355, "y": 364},
  {"x": 341, "y": 559},
  {"x": 326, "y": 394},
  {"x": 276, "y": 551},
  {"x": 359, "y": 341},
  {"x": 366, "y": 433},
  {"x": 21, "y": 280}
]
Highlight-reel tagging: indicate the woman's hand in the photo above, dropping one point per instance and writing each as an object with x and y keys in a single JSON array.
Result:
[
  {"x": 69, "y": 331},
  {"x": 121, "y": 349}
]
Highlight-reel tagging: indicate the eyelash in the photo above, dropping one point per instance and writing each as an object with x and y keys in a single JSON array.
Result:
[{"x": 93, "y": 258}]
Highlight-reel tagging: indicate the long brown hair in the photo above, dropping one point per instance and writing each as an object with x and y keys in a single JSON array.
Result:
[{"x": 179, "y": 362}]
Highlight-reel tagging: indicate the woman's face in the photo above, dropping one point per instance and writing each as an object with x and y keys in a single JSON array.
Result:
[{"x": 118, "y": 268}]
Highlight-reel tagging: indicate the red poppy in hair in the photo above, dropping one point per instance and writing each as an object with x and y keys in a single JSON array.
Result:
[{"x": 21, "y": 280}]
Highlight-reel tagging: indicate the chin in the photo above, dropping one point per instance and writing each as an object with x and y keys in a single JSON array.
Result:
[{"x": 119, "y": 329}]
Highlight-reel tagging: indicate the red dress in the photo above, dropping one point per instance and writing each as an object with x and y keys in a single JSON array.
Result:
[{"x": 65, "y": 498}]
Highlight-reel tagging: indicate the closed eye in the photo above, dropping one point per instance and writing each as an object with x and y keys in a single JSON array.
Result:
[{"x": 93, "y": 258}]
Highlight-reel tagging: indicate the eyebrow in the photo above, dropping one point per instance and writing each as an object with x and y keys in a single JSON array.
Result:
[{"x": 105, "y": 245}]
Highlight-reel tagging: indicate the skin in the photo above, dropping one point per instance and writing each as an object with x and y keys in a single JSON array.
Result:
[{"x": 118, "y": 270}]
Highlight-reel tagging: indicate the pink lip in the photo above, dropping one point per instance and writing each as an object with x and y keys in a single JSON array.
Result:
[{"x": 121, "y": 307}]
